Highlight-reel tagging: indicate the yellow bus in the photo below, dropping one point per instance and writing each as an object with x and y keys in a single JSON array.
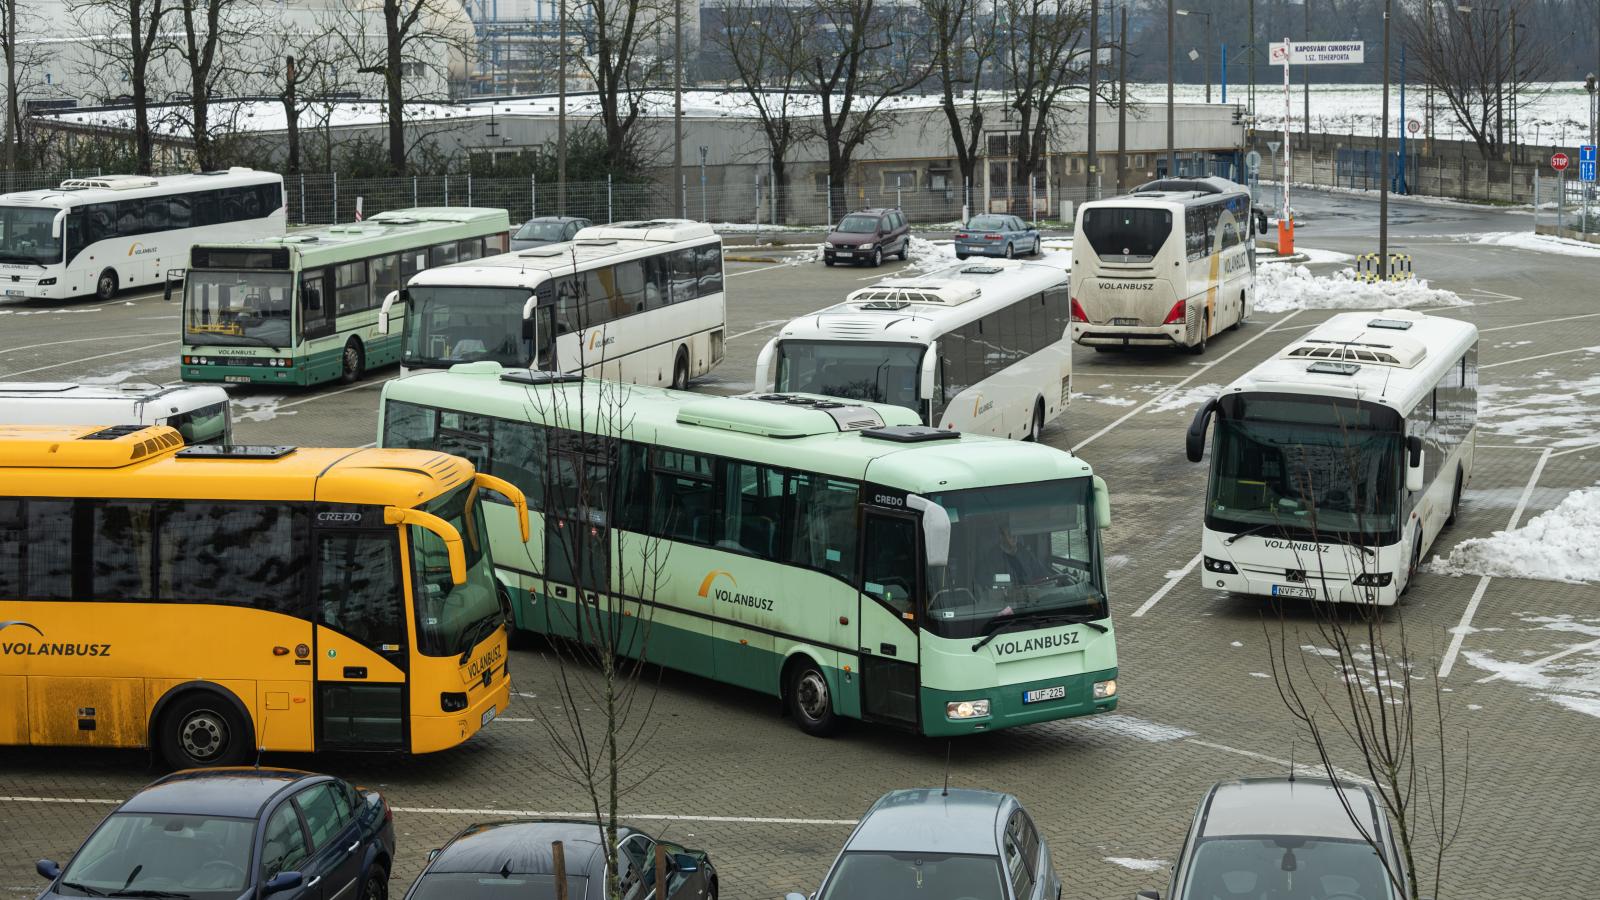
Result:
[{"x": 210, "y": 600}]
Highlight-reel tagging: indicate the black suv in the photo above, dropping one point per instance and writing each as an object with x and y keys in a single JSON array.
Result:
[{"x": 868, "y": 235}]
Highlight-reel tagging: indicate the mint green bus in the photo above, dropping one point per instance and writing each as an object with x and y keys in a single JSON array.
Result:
[
  {"x": 839, "y": 556},
  {"x": 303, "y": 308}
]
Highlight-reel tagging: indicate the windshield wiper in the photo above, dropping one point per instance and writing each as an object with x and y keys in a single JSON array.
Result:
[
  {"x": 477, "y": 633},
  {"x": 1254, "y": 529},
  {"x": 18, "y": 258},
  {"x": 1040, "y": 620},
  {"x": 145, "y": 892},
  {"x": 84, "y": 888}
]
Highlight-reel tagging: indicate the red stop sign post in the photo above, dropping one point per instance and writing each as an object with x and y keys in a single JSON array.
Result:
[{"x": 1559, "y": 162}]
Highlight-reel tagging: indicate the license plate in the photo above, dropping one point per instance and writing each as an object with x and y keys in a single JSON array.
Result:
[
  {"x": 1042, "y": 694},
  {"x": 12, "y": 293},
  {"x": 1289, "y": 590},
  {"x": 1124, "y": 321},
  {"x": 237, "y": 379},
  {"x": 488, "y": 716},
  {"x": 844, "y": 253}
]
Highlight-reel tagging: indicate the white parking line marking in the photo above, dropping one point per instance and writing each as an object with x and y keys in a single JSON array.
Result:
[
  {"x": 1164, "y": 394},
  {"x": 766, "y": 326},
  {"x": 1575, "y": 450},
  {"x": 1540, "y": 663},
  {"x": 1460, "y": 631},
  {"x": 1300, "y": 768},
  {"x": 1540, "y": 356},
  {"x": 83, "y": 800},
  {"x": 1540, "y": 322},
  {"x": 92, "y": 358},
  {"x": 104, "y": 337},
  {"x": 1171, "y": 583},
  {"x": 753, "y": 271}
]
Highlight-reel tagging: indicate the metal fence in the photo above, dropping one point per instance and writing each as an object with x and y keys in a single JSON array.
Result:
[{"x": 1566, "y": 206}]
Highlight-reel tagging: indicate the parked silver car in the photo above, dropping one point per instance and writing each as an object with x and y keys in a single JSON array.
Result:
[
  {"x": 996, "y": 235},
  {"x": 1288, "y": 837},
  {"x": 546, "y": 230},
  {"x": 942, "y": 845}
]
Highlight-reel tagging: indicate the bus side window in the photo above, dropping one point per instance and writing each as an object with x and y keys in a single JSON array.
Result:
[
  {"x": 566, "y": 292},
  {"x": 178, "y": 211},
  {"x": 412, "y": 262},
  {"x": 710, "y": 269},
  {"x": 350, "y": 280},
  {"x": 207, "y": 209},
  {"x": 889, "y": 566},
  {"x": 130, "y": 218},
  {"x": 385, "y": 275},
  {"x": 47, "y": 561},
  {"x": 407, "y": 425},
  {"x": 358, "y": 586},
  {"x": 123, "y": 550},
  {"x": 752, "y": 508},
  {"x": 682, "y": 275},
  {"x": 471, "y": 248},
  {"x": 824, "y": 524},
  {"x": 441, "y": 255},
  {"x": 13, "y": 534},
  {"x": 517, "y": 454},
  {"x": 244, "y": 554}
]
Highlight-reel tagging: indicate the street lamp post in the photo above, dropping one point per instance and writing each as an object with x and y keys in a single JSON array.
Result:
[
  {"x": 1207, "y": 54},
  {"x": 1172, "y": 139}
]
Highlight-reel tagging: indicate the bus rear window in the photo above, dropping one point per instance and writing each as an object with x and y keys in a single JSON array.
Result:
[{"x": 1128, "y": 233}]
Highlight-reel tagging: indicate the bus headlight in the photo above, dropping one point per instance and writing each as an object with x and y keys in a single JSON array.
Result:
[
  {"x": 1220, "y": 565},
  {"x": 1104, "y": 690},
  {"x": 46, "y": 282},
  {"x": 1373, "y": 579},
  {"x": 452, "y": 701},
  {"x": 966, "y": 709}
]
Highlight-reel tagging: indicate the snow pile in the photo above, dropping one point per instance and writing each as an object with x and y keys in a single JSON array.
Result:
[
  {"x": 814, "y": 255},
  {"x": 1558, "y": 545},
  {"x": 1284, "y": 288},
  {"x": 258, "y": 408},
  {"x": 1540, "y": 409},
  {"x": 1138, "y": 865},
  {"x": 1183, "y": 399},
  {"x": 925, "y": 255},
  {"x": 1544, "y": 243}
]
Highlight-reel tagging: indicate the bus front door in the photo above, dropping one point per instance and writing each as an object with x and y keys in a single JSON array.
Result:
[
  {"x": 889, "y": 579},
  {"x": 361, "y": 649}
]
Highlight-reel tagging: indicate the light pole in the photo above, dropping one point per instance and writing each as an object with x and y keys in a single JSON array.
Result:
[
  {"x": 1383, "y": 159},
  {"x": 703, "y": 217},
  {"x": 1591, "y": 83},
  {"x": 1206, "y": 56},
  {"x": 1172, "y": 140}
]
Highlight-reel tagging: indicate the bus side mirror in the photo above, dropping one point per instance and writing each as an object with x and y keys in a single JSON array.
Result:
[
  {"x": 930, "y": 364},
  {"x": 935, "y": 529},
  {"x": 1261, "y": 221},
  {"x": 765, "y": 378},
  {"x": 57, "y": 224},
  {"x": 1102, "y": 503},
  {"x": 1413, "y": 463},
  {"x": 1194, "y": 444},
  {"x": 394, "y": 515},
  {"x": 383, "y": 313},
  {"x": 510, "y": 492}
]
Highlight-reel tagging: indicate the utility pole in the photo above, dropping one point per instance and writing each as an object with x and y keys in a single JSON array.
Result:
[
  {"x": 1172, "y": 141},
  {"x": 1250, "y": 57},
  {"x": 677, "y": 106},
  {"x": 12, "y": 117},
  {"x": 1305, "y": 74},
  {"x": 1092, "y": 169},
  {"x": 1122, "y": 103},
  {"x": 561, "y": 108},
  {"x": 1383, "y": 159}
]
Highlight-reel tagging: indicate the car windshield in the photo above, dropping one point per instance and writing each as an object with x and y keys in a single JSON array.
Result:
[
  {"x": 206, "y": 425},
  {"x": 853, "y": 370},
  {"x": 202, "y": 857},
  {"x": 449, "y": 615},
  {"x": 469, "y": 886},
  {"x": 858, "y": 225},
  {"x": 25, "y": 236},
  {"x": 1286, "y": 869},
  {"x": 924, "y": 876},
  {"x": 1131, "y": 233},
  {"x": 448, "y": 325},
  {"x": 1308, "y": 465},
  {"x": 1017, "y": 552},
  {"x": 540, "y": 231},
  {"x": 988, "y": 223},
  {"x": 246, "y": 308}
]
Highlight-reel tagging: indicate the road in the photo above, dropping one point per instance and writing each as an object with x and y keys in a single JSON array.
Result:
[{"x": 1113, "y": 795}]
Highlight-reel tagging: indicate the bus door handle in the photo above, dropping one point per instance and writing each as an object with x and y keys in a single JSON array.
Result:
[
  {"x": 888, "y": 649},
  {"x": 355, "y": 671},
  {"x": 561, "y": 591}
]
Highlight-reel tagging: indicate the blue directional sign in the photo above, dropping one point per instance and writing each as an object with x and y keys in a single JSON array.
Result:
[{"x": 1586, "y": 162}]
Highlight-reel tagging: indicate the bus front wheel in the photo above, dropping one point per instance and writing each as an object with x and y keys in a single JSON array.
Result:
[
  {"x": 353, "y": 363},
  {"x": 1036, "y": 426},
  {"x": 810, "y": 700},
  {"x": 202, "y": 728},
  {"x": 105, "y": 287},
  {"x": 680, "y": 371}
]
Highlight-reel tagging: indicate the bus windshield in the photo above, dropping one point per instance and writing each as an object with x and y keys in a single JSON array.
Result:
[
  {"x": 451, "y": 617},
  {"x": 1130, "y": 233},
  {"x": 448, "y": 325},
  {"x": 25, "y": 236},
  {"x": 1306, "y": 465},
  {"x": 1017, "y": 552},
  {"x": 247, "y": 308},
  {"x": 880, "y": 373}
]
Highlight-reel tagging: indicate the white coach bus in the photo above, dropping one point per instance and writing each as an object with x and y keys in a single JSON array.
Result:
[
  {"x": 100, "y": 235},
  {"x": 979, "y": 347},
  {"x": 1336, "y": 463},
  {"x": 640, "y": 302},
  {"x": 1170, "y": 264},
  {"x": 198, "y": 412}
]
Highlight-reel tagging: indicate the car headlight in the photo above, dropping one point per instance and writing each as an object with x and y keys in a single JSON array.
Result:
[
  {"x": 966, "y": 709},
  {"x": 866, "y": 246},
  {"x": 1105, "y": 689}
]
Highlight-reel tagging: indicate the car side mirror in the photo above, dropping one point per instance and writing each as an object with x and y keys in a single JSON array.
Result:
[
  {"x": 48, "y": 868},
  {"x": 433, "y": 854},
  {"x": 685, "y": 863},
  {"x": 1194, "y": 444},
  {"x": 283, "y": 881},
  {"x": 1413, "y": 463}
]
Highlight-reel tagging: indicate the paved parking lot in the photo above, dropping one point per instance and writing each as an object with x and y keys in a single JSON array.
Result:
[{"x": 1113, "y": 794}]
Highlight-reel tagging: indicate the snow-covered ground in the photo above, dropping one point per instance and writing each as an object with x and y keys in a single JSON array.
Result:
[
  {"x": 1569, "y": 677},
  {"x": 1543, "y": 243},
  {"x": 1185, "y": 398},
  {"x": 1557, "y": 545},
  {"x": 1280, "y": 288},
  {"x": 1542, "y": 408},
  {"x": 258, "y": 408},
  {"x": 1138, "y": 865}
]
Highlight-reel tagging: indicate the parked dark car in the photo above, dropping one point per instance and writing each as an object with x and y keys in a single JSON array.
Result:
[
  {"x": 996, "y": 235},
  {"x": 867, "y": 236},
  {"x": 934, "y": 844},
  {"x": 546, "y": 230},
  {"x": 1288, "y": 837},
  {"x": 483, "y": 861},
  {"x": 230, "y": 833}
]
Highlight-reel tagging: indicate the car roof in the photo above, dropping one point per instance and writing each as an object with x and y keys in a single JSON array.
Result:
[
  {"x": 240, "y": 792},
  {"x": 933, "y": 821},
  {"x": 1299, "y": 807},
  {"x": 872, "y": 211},
  {"x": 522, "y": 847},
  {"x": 555, "y": 219}
]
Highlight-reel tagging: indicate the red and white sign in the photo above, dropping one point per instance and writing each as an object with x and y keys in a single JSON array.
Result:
[
  {"x": 1559, "y": 162},
  {"x": 1413, "y": 125}
]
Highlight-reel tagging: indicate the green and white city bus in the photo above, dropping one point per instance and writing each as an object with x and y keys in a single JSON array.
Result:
[
  {"x": 304, "y": 308},
  {"x": 840, "y": 556}
]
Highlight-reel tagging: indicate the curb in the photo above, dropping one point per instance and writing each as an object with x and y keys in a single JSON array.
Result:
[
  {"x": 751, "y": 259},
  {"x": 1296, "y": 258}
]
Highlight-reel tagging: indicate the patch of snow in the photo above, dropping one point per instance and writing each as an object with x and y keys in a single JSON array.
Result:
[
  {"x": 1285, "y": 288},
  {"x": 1315, "y": 257},
  {"x": 1109, "y": 401},
  {"x": 1556, "y": 545},
  {"x": 1138, "y": 865},
  {"x": 142, "y": 367},
  {"x": 1237, "y": 644},
  {"x": 1536, "y": 409},
  {"x": 1185, "y": 398},
  {"x": 1259, "y": 675},
  {"x": 258, "y": 408},
  {"x": 814, "y": 255},
  {"x": 1128, "y": 726},
  {"x": 1543, "y": 243},
  {"x": 1474, "y": 707}
]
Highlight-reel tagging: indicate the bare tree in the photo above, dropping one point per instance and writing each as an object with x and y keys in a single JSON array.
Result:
[
  {"x": 1468, "y": 57},
  {"x": 855, "y": 73},
  {"x": 209, "y": 30},
  {"x": 964, "y": 45},
  {"x": 418, "y": 42},
  {"x": 624, "y": 39},
  {"x": 10, "y": 47},
  {"x": 1046, "y": 56},
  {"x": 131, "y": 35},
  {"x": 310, "y": 63},
  {"x": 767, "y": 45}
]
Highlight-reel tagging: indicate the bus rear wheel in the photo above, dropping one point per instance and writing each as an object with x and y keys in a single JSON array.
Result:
[
  {"x": 1455, "y": 500},
  {"x": 810, "y": 700},
  {"x": 353, "y": 363},
  {"x": 1199, "y": 347},
  {"x": 201, "y": 729},
  {"x": 680, "y": 371},
  {"x": 105, "y": 288},
  {"x": 1036, "y": 426}
]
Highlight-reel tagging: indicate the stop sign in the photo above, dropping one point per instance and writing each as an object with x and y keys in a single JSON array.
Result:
[{"x": 1559, "y": 162}]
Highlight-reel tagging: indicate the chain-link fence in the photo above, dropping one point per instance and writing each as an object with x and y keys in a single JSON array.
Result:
[{"x": 1566, "y": 206}]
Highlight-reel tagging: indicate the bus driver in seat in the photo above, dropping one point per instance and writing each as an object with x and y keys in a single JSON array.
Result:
[{"x": 1021, "y": 563}]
